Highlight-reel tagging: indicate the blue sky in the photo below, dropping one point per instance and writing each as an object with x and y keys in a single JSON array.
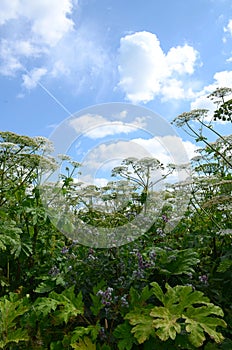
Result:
[
  {"x": 80, "y": 52},
  {"x": 60, "y": 57}
]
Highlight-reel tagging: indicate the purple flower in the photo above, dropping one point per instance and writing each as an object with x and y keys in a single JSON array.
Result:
[
  {"x": 140, "y": 260},
  {"x": 164, "y": 217},
  {"x": 64, "y": 250},
  {"x": 203, "y": 279},
  {"x": 106, "y": 296}
]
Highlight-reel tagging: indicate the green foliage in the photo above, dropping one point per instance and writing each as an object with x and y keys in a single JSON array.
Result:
[
  {"x": 84, "y": 344},
  {"x": 49, "y": 296},
  {"x": 183, "y": 311},
  {"x": 123, "y": 333},
  {"x": 65, "y": 305},
  {"x": 11, "y": 308},
  {"x": 176, "y": 262}
]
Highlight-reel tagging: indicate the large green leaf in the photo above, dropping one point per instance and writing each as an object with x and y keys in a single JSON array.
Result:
[
  {"x": 84, "y": 344},
  {"x": 11, "y": 308},
  {"x": 79, "y": 332},
  {"x": 64, "y": 305},
  {"x": 185, "y": 312},
  {"x": 142, "y": 322},
  {"x": 123, "y": 332},
  {"x": 176, "y": 262},
  {"x": 198, "y": 321},
  {"x": 185, "y": 308}
]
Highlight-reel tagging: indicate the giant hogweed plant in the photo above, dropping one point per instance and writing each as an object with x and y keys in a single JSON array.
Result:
[
  {"x": 59, "y": 302},
  {"x": 182, "y": 312},
  {"x": 60, "y": 321}
]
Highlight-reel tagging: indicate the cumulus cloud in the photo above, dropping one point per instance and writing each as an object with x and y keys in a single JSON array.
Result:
[
  {"x": 103, "y": 158},
  {"x": 168, "y": 149},
  {"x": 38, "y": 26},
  {"x": 42, "y": 33},
  {"x": 48, "y": 21},
  {"x": 221, "y": 79},
  {"x": 96, "y": 126},
  {"x": 146, "y": 71},
  {"x": 181, "y": 59}
]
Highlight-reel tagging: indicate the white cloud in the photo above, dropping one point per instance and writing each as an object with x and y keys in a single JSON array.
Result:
[
  {"x": 108, "y": 155},
  {"x": 221, "y": 79},
  {"x": 8, "y": 10},
  {"x": 42, "y": 33},
  {"x": 9, "y": 63},
  {"x": 31, "y": 79},
  {"x": 146, "y": 71},
  {"x": 43, "y": 23},
  {"x": 96, "y": 126},
  {"x": 59, "y": 68},
  {"x": 103, "y": 158},
  {"x": 228, "y": 28},
  {"x": 182, "y": 59},
  {"x": 168, "y": 149},
  {"x": 48, "y": 20},
  {"x": 228, "y": 31}
]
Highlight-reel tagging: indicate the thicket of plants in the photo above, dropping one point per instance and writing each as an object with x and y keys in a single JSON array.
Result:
[{"x": 168, "y": 289}]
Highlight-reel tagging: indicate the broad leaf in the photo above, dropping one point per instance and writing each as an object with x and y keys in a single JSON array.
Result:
[
  {"x": 183, "y": 307},
  {"x": 123, "y": 332},
  {"x": 84, "y": 344},
  {"x": 142, "y": 322}
]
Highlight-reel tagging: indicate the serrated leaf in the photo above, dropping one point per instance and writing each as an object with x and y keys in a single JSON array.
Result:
[
  {"x": 84, "y": 344},
  {"x": 146, "y": 294},
  {"x": 96, "y": 300},
  {"x": 45, "y": 305},
  {"x": 183, "y": 307},
  {"x": 224, "y": 265},
  {"x": 140, "y": 298},
  {"x": 81, "y": 331},
  {"x": 56, "y": 345},
  {"x": 10, "y": 237},
  {"x": 45, "y": 286},
  {"x": 199, "y": 322},
  {"x": 11, "y": 308},
  {"x": 166, "y": 323},
  {"x": 69, "y": 305},
  {"x": 143, "y": 324},
  {"x": 177, "y": 262},
  {"x": 123, "y": 332}
]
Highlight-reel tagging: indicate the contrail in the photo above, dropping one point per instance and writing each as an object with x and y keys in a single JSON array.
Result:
[
  {"x": 54, "y": 98},
  {"x": 50, "y": 94}
]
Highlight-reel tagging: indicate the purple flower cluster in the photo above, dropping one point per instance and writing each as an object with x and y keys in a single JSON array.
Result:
[
  {"x": 203, "y": 279},
  {"x": 64, "y": 250},
  {"x": 106, "y": 296},
  {"x": 142, "y": 265}
]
